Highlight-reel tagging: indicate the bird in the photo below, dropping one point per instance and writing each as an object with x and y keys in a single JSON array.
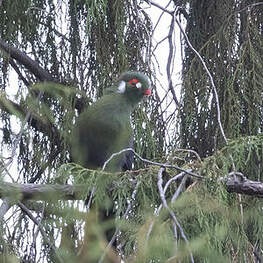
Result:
[{"x": 104, "y": 127}]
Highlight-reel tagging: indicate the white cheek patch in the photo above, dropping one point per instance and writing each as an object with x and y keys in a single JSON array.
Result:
[
  {"x": 138, "y": 85},
  {"x": 122, "y": 87}
]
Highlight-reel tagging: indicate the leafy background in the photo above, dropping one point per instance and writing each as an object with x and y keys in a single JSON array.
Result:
[{"x": 82, "y": 46}]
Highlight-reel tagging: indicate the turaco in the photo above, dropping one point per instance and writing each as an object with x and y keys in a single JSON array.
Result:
[{"x": 104, "y": 127}]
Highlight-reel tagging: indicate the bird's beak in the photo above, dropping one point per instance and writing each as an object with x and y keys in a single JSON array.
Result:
[{"x": 147, "y": 92}]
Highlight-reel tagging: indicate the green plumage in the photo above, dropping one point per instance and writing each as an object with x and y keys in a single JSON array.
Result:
[{"x": 104, "y": 128}]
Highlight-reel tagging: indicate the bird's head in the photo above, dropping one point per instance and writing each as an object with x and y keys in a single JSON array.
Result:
[{"x": 134, "y": 84}]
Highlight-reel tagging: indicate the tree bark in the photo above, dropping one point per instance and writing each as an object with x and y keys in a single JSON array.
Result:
[
  {"x": 25, "y": 60},
  {"x": 54, "y": 192},
  {"x": 47, "y": 192},
  {"x": 244, "y": 186},
  {"x": 35, "y": 121}
]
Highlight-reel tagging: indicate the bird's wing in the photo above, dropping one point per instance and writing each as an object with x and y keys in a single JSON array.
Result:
[{"x": 128, "y": 158}]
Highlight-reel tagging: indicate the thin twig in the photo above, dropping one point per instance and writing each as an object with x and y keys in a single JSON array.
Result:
[
  {"x": 157, "y": 212},
  {"x": 179, "y": 189},
  {"x": 169, "y": 61},
  {"x": 210, "y": 77},
  {"x": 151, "y": 162},
  {"x": 160, "y": 7},
  {"x": 30, "y": 215},
  {"x": 90, "y": 198},
  {"x": 190, "y": 151},
  {"x": 175, "y": 178},
  {"x": 176, "y": 222}
]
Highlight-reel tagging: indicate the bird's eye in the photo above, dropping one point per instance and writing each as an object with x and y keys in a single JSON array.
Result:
[{"x": 133, "y": 82}]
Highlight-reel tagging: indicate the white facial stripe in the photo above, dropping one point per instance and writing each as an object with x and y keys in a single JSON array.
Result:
[
  {"x": 138, "y": 85},
  {"x": 122, "y": 87}
]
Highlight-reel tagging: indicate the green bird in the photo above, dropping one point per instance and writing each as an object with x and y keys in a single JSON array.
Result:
[{"x": 104, "y": 127}]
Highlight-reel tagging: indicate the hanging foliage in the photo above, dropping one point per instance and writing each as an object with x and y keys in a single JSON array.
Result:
[{"x": 58, "y": 57}]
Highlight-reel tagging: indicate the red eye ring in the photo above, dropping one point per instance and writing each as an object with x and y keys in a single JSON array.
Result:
[{"x": 133, "y": 82}]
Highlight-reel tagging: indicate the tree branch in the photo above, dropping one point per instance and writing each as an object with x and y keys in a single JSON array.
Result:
[
  {"x": 54, "y": 192},
  {"x": 25, "y": 60},
  {"x": 17, "y": 70},
  {"x": 47, "y": 192},
  {"x": 176, "y": 223},
  {"x": 169, "y": 62},
  {"x": 151, "y": 162},
  {"x": 244, "y": 186},
  {"x": 42, "y": 230},
  {"x": 35, "y": 121},
  {"x": 160, "y": 7}
]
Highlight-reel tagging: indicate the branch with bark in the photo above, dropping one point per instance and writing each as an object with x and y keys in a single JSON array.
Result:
[
  {"x": 27, "y": 62},
  {"x": 35, "y": 121},
  {"x": 54, "y": 192},
  {"x": 44, "y": 192},
  {"x": 244, "y": 186}
]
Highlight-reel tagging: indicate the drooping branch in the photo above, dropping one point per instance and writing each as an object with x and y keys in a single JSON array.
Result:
[
  {"x": 27, "y": 62},
  {"x": 42, "y": 230},
  {"x": 35, "y": 121},
  {"x": 170, "y": 60}
]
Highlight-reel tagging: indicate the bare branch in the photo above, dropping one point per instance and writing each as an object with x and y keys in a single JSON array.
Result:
[
  {"x": 179, "y": 189},
  {"x": 45, "y": 236},
  {"x": 172, "y": 214},
  {"x": 210, "y": 78},
  {"x": 176, "y": 194},
  {"x": 169, "y": 61},
  {"x": 160, "y": 7},
  {"x": 151, "y": 162},
  {"x": 173, "y": 179}
]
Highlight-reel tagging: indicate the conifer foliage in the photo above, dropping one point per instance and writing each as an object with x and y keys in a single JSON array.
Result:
[{"x": 194, "y": 194}]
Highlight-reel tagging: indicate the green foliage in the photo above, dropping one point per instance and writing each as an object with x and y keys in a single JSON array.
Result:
[
  {"x": 82, "y": 44},
  {"x": 244, "y": 152},
  {"x": 210, "y": 216},
  {"x": 232, "y": 57},
  {"x": 86, "y": 44}
]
